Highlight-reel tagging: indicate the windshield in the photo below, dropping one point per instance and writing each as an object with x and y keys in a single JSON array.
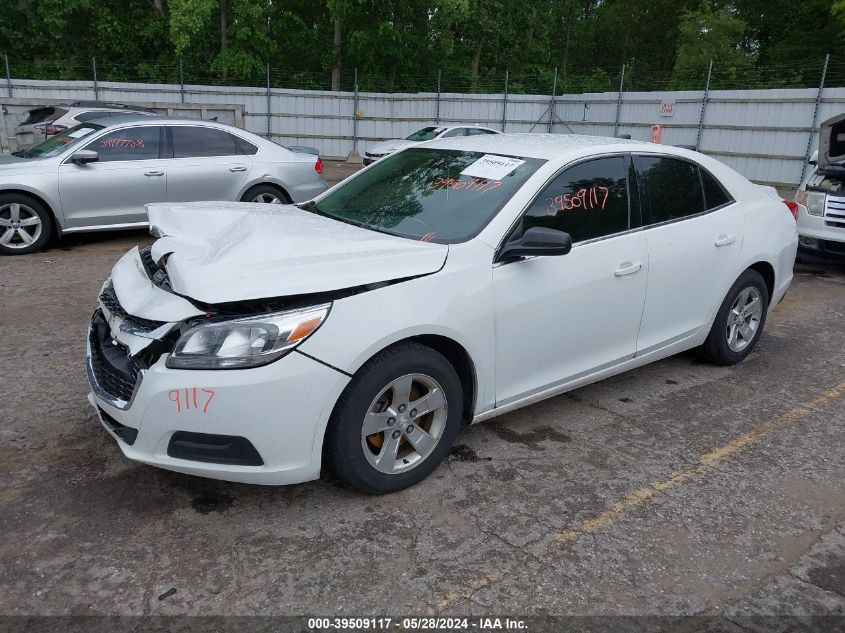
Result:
[
  {"x": 428, "y": 194},
  {"x": 425, "y": 134},
  {"x": 58, "y": 143}
]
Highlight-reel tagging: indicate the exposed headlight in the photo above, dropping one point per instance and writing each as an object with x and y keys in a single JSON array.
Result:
[
  {"x": 246, "y": 342},
  {"x": 813, "y": 200}
]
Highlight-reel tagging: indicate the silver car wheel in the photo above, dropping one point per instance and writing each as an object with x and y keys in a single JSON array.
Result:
[
  {"x": 267, "y": 198},
  {"x": 744, "y": 319},
  {"x": 20, "y": 225},
  {"x": 404, "y": 423}
]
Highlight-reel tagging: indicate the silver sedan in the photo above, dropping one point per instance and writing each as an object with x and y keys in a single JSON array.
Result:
[{"x": 99, "y": 175}]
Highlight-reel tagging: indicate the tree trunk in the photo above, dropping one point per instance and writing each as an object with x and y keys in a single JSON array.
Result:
[
  {"x": 476, "y": 61},
  {"x": 567, "y": 37},
  {"x": 158, "y": 6},
  {"x": 224, "y": 25},
  {"x": 338, "y": 40},
  {"x": 224, "y": 30}
]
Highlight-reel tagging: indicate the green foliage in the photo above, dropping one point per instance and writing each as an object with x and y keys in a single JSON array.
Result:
[{"x": 400, "y": 45}]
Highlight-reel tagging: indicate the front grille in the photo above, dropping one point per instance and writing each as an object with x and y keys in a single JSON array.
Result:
[
  {"x": 114, "y": 372},
  {"x": 156, "y": 273},
  {"x": 131, "y": 323},
  {"x": 834, "y": 213}
]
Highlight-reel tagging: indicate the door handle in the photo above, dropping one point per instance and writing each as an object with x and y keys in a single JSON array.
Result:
[
  {"x": 237, "y": 168},
  {"x": 154, "y": 172},
  {"x": 724, "y": 240},
  {"x": 627, "y": 268}
]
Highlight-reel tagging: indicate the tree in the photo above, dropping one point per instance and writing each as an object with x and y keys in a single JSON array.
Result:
[{"x": 707, "y": 34}]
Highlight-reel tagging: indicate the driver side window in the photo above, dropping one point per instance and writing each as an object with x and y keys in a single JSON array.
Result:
[
  {"x": 587, "y": 200},
  {"x": 132, "y": 143}
]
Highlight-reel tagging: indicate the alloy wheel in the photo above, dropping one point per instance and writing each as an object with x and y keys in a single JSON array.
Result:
[
  {"x": 744, "y": 319},
  {"x": 20, "y": 225},
  {"x": 267, "y": 198},
  {"x": 404, "y": 423}
]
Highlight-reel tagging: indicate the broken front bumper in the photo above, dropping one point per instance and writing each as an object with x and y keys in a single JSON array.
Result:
[{"x": 260, "y": 425}]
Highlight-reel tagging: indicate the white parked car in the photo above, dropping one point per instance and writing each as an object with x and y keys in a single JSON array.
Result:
[
  {"x": 449, "y": 283},
  {"x": 422, "y": 135},
  {"x": 821, "y": 217}
]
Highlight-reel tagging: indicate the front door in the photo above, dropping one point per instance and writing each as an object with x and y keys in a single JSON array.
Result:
[
  {"x": 114, "y": 189},
  {"x": 561, "y": 317}
]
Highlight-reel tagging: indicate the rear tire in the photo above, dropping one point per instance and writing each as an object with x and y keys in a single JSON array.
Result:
[
  {"x": 410, "y": 397},
  {"x": 266, "y": 194},
  {"x": 25, "y": 224},
  {"x": 739, "y": 322}
]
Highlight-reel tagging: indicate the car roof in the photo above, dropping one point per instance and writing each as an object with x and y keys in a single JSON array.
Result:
[
  {"x": 543, "y": 146},
  {"x": 156, "y": 119}
]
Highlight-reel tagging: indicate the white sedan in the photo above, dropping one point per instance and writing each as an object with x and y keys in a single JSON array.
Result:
[
  {"x": 449, "y": 283},
  {"x": 380, "y": 150}
]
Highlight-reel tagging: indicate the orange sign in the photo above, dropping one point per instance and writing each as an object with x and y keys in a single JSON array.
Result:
[{"x": 656, "y": 133}]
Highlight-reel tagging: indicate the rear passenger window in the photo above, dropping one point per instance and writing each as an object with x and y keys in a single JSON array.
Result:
[
  {"x": 715, "y": 194},
  {"x": 672, "y": 188},
  {"x": 587, "y": 201},
  {"x": 461, "y": 131},
  {"x": 190, "y": 142},
  {"x": 244, "y": 147}
]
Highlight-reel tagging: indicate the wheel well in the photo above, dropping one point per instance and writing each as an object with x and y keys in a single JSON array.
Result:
[
  {"x": 272, "y": 185},
  {"x": 56, "y": 230},
  {"x": 768, "y": 273},
  {"x": 461, "y": 361}
]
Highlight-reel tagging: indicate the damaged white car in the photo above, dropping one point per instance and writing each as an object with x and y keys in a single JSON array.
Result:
[{"x": 448, "y": 283}]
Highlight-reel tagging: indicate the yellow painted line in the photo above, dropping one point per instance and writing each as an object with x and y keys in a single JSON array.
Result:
[
  {"x": 643, "y": 495},
  {"x": 711, "y": 458}
]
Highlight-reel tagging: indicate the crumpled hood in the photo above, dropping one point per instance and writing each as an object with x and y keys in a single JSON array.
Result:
[
  {"x": 388, "y": 147},
  {"x": 234, "y": 251}
]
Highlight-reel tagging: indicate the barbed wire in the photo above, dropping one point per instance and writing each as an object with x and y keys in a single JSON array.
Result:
[{"x": 804, "y": 73}]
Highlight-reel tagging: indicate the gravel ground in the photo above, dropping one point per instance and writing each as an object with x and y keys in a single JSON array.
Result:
[{"x": 677, "y": 489}]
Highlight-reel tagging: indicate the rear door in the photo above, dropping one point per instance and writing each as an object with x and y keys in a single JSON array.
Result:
[
  {"x": 205, "y": 163},
  {"x": 694, "y": 231},
  {"x": 113, "y": 190}
]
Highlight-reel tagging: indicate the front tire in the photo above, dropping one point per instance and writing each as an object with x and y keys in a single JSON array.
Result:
[
  {"x": 396, "y": 420},
  {"x": 739, "y": 322},
  {"x": 25, "y": 224}
]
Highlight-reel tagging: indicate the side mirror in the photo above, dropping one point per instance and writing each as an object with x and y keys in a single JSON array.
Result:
[
  {"x": 814, "y": 159},
  {"x": 84, "y": 156},
  {"x": 537, "y": 241}
]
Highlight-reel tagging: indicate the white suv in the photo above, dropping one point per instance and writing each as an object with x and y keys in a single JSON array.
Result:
[
  {"x": 45, "y": 121},
  {"x": 821, "y": 219}
]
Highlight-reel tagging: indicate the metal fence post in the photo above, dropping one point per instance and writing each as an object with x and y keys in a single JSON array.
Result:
[
  {"x": 815, "y": 121},
  {"x": 355, "y": 117},
  {"x": 96, "y": 87},
  {"x": 8, "y": 76},
  {"x": 268, "y": 101},
  {"x": 182, "y": 80},
  {"x": 619, "y": 101},
  {"x": 552, "y": 102},
  {"x": 703, "y": 107},
  {"x": 505, "y": 101},
  {"x": 437, "y": 101}
]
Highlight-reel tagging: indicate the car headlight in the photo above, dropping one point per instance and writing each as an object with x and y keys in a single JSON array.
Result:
[
  {"x": 813, "y": 200},
  {"x": 245, "y": 342}
]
